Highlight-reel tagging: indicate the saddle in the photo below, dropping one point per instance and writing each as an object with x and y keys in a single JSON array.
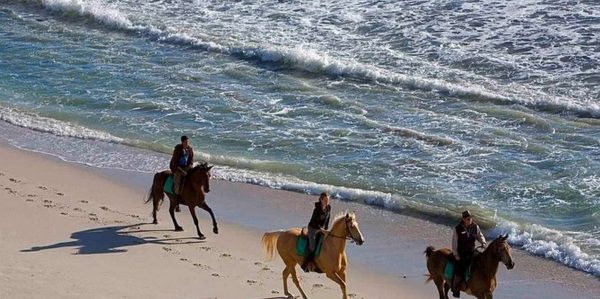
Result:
[
  {"x": 302, "y": 248},
  {"x": 170, "y": 184},
  {"x": 449, "y": 271}
]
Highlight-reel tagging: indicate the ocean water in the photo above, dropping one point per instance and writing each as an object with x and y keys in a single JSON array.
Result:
[{"x": 420, "y": 107}]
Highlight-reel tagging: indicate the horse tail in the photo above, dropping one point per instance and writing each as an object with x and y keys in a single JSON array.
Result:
[
  {"x": 428, "y": 251},
  {"x": 269, "y": 240},
  {"x": 156, "y": 192}
]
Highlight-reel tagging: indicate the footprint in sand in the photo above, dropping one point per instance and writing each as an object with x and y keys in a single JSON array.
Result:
[
  {"x": 83, "y": 201},
  {"x": 266, "y": 269},
  {"x": 14, "y": 180},
  {"x": 29, "y": 199},
  {"x": 205, "y": 248},
  {"x": 167, "y": 249},
  {"x": 77, "y": 209},
  {"x": 10, "y": 190},
  {"x": 225, "y": 255},
  {"x": 60, "y": 193},
  {"x": 274, "y": 292},
  {"x": 203, "y": 267},
  {"x": 63, "y": 213},
  {"x": 42, "y": 188},
  {"x": 353, "y": 295},
  {"x": 94, "y": 218},
  {"x": 215, "y": 275},
  {"x": 250, "y": 281},
  {"x": 183, "y": 259},
  {"x": 258, "y": 264},
  {"x": 104, "y": 208},
  {"x": 31, "y": 195},
  {"x": 317, "y": 285}
]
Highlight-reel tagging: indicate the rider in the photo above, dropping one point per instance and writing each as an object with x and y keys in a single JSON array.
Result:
[
  {"x": 181, "y": 162},
  {"x": 463, "y": 247},
  {"x": 318, "y": 222}
]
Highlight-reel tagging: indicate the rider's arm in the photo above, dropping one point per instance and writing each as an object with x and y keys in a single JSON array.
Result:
[
  {"x": 191, "y": 157},
  {"x": 481, "y": 238},
  {"x": 455, "y": 244}
]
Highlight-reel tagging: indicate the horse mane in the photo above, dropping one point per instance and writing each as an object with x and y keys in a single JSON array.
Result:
[
  {"x": 342, "y": 215},
  {"x": 500, "y": 239}
]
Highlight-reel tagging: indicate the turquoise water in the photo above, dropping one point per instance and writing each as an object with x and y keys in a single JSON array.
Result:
[{"x": 417, "y": 108}]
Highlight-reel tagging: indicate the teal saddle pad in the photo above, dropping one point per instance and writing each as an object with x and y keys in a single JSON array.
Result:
[
  {"x": 168, "y": 187},
  {"x": 449, "y": 271},
  {"x": 302, "y": 244}
]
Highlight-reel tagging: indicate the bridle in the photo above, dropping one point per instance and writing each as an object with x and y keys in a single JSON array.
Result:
[{"x": 348, "y": 235}]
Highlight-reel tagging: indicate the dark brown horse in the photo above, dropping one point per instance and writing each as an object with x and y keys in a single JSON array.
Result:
[
  {"x": 482, "y": 281},
  {"x": 192, "y": 195}
]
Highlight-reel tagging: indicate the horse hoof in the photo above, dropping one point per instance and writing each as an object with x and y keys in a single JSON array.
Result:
[
  {"x": 179, "y": 229},
  {"x": 154, "y": 222},
  {"x": 216, "y": 230},
  {"x": 202, "y": 237}
]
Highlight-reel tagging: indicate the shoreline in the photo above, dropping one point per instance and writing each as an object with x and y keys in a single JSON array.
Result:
[{"x": 391, "y": 259}]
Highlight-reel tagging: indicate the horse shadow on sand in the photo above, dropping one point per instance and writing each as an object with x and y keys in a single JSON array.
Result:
[{"x": 112, "y": 239}]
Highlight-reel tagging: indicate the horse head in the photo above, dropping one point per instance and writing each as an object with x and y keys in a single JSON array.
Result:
[
  {"x": 202, "y": 171},
  {"x": 352, "y": 229},
  {"x": 502, "y": 250}
]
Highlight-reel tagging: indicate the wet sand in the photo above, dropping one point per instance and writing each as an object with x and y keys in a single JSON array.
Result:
[{"x": 70, "y": 230}]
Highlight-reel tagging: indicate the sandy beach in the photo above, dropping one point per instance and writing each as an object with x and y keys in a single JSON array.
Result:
[{"x": 72, "y": 231}]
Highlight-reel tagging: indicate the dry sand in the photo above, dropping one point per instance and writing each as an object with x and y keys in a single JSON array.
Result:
[{"x": 71, "y": 231}]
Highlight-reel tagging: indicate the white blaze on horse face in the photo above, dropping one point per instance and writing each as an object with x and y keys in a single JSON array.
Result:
[{"x": 356, "y": 232}]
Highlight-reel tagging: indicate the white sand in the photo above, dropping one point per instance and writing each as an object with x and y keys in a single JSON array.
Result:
[{"x": 70, "y": 231}]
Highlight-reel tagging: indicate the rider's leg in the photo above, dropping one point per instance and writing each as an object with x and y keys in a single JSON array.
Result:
[
  {"x": 177, "y": 182},
  {"x": 308, "y": 255}
]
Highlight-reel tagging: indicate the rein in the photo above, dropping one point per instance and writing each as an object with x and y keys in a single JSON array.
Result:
[{"x": 348, "y": 232}]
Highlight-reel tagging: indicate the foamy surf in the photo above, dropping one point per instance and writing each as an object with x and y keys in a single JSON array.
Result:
[
  {"x": 49, "y": 125},
  {"x": 316, "y": 62}
]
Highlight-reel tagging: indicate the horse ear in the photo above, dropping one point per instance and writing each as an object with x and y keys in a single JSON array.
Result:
[
  {"x": 210, "y": 167},
  {"x": 347, "y": 215},
  {"x": 505, "y": 237}
]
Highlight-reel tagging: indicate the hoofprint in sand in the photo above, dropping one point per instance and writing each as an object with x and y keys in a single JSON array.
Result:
[{"x": 70, "y": 233}]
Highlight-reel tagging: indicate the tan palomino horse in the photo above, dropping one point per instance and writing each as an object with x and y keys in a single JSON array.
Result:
[
  {"x": 192, "y": 195},
  {"x": 332, "y": 260},
  {"x": 482, "y": 281}
]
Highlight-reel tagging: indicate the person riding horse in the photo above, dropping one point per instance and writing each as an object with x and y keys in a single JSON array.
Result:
[
  {"x": 463, "y": 246},
  {"x": 318, "y": 222},
  {"x": 181, "y": 162}
]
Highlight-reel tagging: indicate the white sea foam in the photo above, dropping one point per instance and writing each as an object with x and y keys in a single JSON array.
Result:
[
  {"x": 551, "y": 244},
  {"x": 98, "y": 11},
  {"x": 53, "y": 126},
  {"x": 318, "y": 62}
]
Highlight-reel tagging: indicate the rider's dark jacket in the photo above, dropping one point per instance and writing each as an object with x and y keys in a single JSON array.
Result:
[
  {"x": 463, "y": 239},
  {"x": 320, "y": 218}
]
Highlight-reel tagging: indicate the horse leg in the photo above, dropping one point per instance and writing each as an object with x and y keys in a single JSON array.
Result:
[
  {"x": 446, "y": 289},
  {"x": 441, "y": 287},
  {"x": 172, "y": 213},
  {"x": 205, "y": 207},
  {"x": 296, "y": 281},
  {"x": 285, "y": 274},
  {"x": 193, "y": 212},
  {"x": 335, "y": 277},
  {"x": 155, "y": 202}
]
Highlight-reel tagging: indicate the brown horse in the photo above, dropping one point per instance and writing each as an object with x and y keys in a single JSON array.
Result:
[
  {"x": 484, "y": 267},
  {"x": 192, "y": 195},
  {"x": 332, "y": 261}
]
